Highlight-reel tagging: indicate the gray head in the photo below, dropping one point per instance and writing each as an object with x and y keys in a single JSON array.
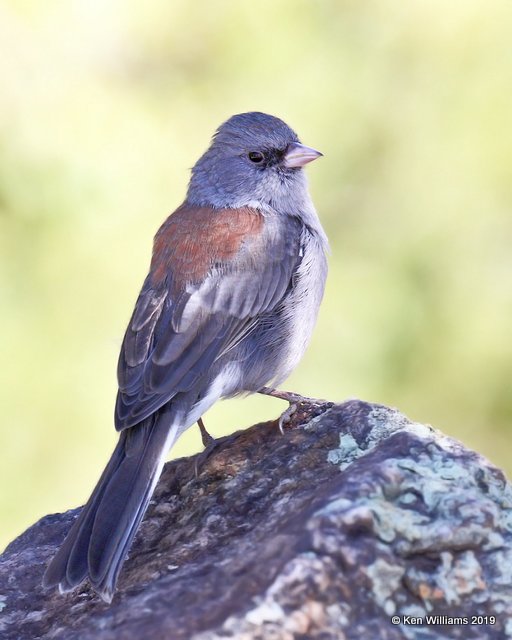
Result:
[{"x": 254, "y": 159}]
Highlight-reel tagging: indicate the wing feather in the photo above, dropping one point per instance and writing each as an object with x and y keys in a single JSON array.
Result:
[{"x": 183, "y": 322}]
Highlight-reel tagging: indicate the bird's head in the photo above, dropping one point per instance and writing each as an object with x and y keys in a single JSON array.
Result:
[{"x": 254, "y": 160}]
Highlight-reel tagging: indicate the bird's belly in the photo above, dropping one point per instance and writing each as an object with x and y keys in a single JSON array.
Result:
[
  {"x": 301, "y": 311},
  {"x": 278, "y": 345}
]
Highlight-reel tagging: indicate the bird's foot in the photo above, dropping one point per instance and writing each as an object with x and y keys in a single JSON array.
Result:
[
  {"x": 300, "y": 406},
  {"x": 286, "y": 417},
  {"x": 202, "y": 458}
]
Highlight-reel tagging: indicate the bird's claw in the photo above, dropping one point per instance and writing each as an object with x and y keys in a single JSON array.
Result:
[
  {"x": 296, "y": 402},
  {"x": 286, "y": 417},
  {"x": 202, "y": 457}
]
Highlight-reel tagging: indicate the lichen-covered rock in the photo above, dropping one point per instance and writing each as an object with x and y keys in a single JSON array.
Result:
[{"x": 356, "y": 523}]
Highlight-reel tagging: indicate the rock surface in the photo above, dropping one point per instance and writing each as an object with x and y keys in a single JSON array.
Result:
[{"x": 353, "y": 516}]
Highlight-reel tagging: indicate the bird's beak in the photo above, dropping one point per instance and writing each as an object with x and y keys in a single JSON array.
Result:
[{"x": 297, "y": 155}]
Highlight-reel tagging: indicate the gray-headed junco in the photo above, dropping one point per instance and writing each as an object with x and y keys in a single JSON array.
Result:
[{"x": 228, "y": 306}]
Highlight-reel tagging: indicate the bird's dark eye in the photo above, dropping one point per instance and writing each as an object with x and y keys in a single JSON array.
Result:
[{"x": 256, "y": 157}]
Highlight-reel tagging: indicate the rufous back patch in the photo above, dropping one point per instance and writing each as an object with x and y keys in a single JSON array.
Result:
[{"x": 193, "y": 239}]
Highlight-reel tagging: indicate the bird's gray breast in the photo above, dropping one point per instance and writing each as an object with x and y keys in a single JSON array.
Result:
[
  {"x": 301, "y": 305},
  {"x": 278, "y": 343}
]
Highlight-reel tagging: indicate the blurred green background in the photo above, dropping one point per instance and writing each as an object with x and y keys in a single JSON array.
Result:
[{"x": 104, "y": 107}]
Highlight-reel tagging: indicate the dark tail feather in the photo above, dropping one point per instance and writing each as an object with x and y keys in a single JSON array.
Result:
[{"x": 100, "y": 537}]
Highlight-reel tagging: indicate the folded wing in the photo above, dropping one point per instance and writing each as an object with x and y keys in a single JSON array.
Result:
[{"x": 214, "y": 273}]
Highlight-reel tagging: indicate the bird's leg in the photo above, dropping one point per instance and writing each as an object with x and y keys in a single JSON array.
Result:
[
  {"x": 209, "y": 444},
  {"x": 207, "y": 439},
  {"x": 289, "y": 396}
]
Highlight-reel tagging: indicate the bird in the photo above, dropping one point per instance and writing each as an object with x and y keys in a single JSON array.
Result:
[{"x": 228, "y": 307}]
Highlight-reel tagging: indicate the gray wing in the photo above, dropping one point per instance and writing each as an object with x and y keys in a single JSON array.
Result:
[{"x": 178, "y": 329}]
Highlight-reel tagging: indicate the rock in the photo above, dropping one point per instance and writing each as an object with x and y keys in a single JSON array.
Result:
[{"x": 353, "y": 516}]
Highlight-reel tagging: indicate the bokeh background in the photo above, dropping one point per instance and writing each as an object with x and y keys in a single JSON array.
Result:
[{"x": 104, "y": 107}]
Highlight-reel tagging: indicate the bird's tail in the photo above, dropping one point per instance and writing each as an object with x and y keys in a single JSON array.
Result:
[{"x": 99, "y": 540}]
